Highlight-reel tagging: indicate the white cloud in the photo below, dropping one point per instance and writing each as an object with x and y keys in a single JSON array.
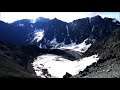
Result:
[{"x": 65, "y": 16}]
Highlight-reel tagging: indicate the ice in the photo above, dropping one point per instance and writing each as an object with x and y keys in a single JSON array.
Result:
[{"x": 58, "y": 66}]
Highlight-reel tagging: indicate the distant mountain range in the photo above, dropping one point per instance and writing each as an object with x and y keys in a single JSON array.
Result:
[{"x": 47, "y": 33}]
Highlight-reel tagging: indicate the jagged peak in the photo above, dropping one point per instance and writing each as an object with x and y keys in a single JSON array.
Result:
[
  {"x": 97, "y": 17},
  {"x": 56, "y": 19}
]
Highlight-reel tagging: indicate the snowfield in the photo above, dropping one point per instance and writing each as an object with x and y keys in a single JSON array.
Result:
[
  {"x": 38, "y": 35},
  {"x": 73, "y": 46},
  {"x": 58, "y": 66},
  {"x": 79, "y": 47}
]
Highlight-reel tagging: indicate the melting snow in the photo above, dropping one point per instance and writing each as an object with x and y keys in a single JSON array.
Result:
[
  {"x": 73, "y": 46},
  {"x": 80, "y": 47},
  {"x": 38, "y": 34},
  {"x": 58, "y": 66},
  {"x": 54, "y": 43}
]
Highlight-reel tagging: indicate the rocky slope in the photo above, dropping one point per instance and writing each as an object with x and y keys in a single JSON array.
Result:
[
  {"x": 16, "y": 61},
  {"x": 108, "y": 65}
]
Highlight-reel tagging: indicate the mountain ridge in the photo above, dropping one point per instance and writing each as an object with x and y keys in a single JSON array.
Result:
[
  {"x": 61, "y": 32},
  {"x": 100, "y": 34}
]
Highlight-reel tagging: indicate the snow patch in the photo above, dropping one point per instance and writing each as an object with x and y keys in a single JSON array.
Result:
[
  {"x": 55, "y": 44},
  {"x": 21, "y": 25},
  {"x": 54, "y": 41},
  {"x": 58, "y": 66},
  {"x": 79, "y": 47},
  {"x": 31, "y": 26},
  {"x": 114, "y": 20},
  {"x": 67, "y": 30},
  {"x": 93, "y": 28},
  {"x": 73, "y": 46},
  {"x": 32, "y": 20},
  {"x": 38, "y": 34}
]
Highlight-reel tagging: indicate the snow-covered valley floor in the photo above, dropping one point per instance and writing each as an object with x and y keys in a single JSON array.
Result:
[{"x": 58, "y": 66}]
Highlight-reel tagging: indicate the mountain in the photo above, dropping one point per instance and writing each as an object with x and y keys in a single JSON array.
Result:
[
  {"x": 13, "y": 34},
  {"x": 55, "y": 33},
  {"x": 59, "y": 33},
  {"x": 27, "y": 46},
  {"x": 34, "y": 28},
  {"x": 109, "y": 59}
]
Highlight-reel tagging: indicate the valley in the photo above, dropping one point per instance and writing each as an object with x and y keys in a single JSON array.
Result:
[{"x": 50, "y": 48}]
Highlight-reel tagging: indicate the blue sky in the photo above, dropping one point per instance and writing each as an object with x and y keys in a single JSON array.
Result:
[{"x": 64, "y": 16}]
